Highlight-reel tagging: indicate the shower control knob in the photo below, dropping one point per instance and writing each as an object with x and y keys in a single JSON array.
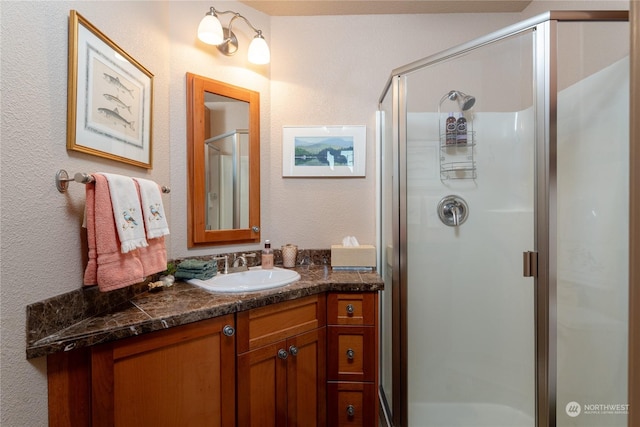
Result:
[
  {"x": 453, "y": 210},
  {"x": 350, "y": 309},
  {"x": 351, "y": 411}
]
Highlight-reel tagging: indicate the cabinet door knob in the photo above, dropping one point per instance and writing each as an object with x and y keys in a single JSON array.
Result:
[
  {"x": 228, "y": 330},
  {"x": 350, "y": 354},
  {"x": 293, "y": 350},
  {"x": 351, "y": 411},
  {"x": 282, "y": 354},
  {"x": 350, "y": 309}
]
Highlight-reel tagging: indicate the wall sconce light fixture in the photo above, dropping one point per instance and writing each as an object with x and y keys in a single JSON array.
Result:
[{"x": 210, "y": 31}]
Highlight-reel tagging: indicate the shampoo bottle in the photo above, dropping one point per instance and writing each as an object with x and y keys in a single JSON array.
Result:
[
  {"x": 450, "y": 130},
  {"x": 267, "y": 256},
  {"x": 461, "y": 131}
]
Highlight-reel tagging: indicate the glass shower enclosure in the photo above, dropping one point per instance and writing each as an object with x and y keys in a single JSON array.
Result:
[{"x": 504, "y": 228}]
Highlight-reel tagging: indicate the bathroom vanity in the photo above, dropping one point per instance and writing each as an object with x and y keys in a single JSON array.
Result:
[{"x": 304, "y": 354}]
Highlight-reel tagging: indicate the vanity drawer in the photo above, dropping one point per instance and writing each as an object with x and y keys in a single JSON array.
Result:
[
  {"x": 351, "y": 308},
  {"x": 351, "y": 353},
  {"x": 352, "y": 404},
  {"x": 262, "y": 326}
]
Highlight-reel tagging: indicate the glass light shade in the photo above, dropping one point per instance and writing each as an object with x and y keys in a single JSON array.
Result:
[
  {"x": 259, "y": 51},
  {"x": 210, "y": 30}
]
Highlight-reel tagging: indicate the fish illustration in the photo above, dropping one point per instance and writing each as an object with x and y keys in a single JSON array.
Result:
[
  {"x": 117, "y": 101},
  {"x": 116, "y": 117},
  {"x": 115, "y": 81}
]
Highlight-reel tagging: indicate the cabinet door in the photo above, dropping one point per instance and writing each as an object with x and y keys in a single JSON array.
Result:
[
  {"x": 306, "y": 379},
  {"x": 262, "y": 386},
  {"x": 284, "y": 384},
  {"x": 182, "y": 376}
]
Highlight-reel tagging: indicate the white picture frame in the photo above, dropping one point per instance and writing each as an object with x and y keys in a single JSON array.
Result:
[{"x": 324, "y": 151}]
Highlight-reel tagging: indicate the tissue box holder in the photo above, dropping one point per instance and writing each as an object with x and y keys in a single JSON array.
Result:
[{"x": 361, "y": 257}]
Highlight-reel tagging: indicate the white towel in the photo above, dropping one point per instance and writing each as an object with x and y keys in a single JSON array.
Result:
[
  {"x": 155, "y": 220},
  {"x": 126, "y": 212}
]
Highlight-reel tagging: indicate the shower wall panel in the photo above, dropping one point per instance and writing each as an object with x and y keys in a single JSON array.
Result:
[{"x": 593, "y": 175}]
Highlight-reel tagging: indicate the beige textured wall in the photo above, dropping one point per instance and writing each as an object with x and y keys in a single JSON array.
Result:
[{"x": 41, "y": 245}]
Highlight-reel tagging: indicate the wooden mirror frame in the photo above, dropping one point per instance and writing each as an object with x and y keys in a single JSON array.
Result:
[{"x": 197, "y": 233}]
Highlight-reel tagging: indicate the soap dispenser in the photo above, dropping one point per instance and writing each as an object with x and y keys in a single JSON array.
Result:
[{"x": 267, "y": 256}]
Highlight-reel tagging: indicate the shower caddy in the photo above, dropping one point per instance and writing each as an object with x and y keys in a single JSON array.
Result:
[{"x": 457, "y": 161}]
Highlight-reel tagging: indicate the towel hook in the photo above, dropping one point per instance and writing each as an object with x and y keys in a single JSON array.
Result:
[{"x": 62, "y": 180}]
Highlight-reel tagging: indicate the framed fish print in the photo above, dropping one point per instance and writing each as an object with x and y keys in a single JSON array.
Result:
[
  {"x": 109, "y": 98},
  {"x": 324, "y": 151}
]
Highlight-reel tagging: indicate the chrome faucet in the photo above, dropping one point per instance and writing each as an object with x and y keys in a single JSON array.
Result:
[{"x": 240, "y": 263}]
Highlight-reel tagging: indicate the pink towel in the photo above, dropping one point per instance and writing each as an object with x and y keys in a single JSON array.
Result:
[
  {"x": 109, "y": 268},
  {"x": 90, "y": 272}
]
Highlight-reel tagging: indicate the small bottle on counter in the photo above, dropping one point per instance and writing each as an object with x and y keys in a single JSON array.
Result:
[{"x": 267, "y": 256}]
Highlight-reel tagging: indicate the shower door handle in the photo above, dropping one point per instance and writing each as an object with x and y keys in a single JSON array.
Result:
[{"x": 530, "y": 264}]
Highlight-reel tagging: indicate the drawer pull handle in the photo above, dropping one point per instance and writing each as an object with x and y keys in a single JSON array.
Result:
[
  {"x": 350, "y": 309},
  {"x": 282, "y": 354},
  {"x": 350, "y": 354},
  {"x": 293, "y": 350},
  {"x": 351, "y": 411},
  {"x": 228, "y": 330}
]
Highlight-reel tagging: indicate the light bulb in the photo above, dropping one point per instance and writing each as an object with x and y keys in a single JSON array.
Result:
[
  {"x": 210, "y": 30},
  {"x": 259, "y": 51}
]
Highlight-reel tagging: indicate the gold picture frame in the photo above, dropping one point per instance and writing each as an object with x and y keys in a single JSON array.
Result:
[{"x": 109, "y": 98}]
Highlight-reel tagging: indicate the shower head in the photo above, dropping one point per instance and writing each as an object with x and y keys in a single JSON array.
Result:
[{"x": 464, "y": 101}]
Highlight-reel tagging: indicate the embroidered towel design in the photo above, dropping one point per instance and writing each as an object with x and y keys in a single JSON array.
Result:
[
  {"x": 152, "y": 209},
  {"x": 126, "y": 212}
]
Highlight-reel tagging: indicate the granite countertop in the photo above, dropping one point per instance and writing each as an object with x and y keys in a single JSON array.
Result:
[{"x": 177, "y": 305}]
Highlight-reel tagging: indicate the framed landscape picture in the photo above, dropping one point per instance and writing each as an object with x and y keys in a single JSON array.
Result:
[
  {"x": 109, "y": 98},
  {"x": 324, "y": 151}
]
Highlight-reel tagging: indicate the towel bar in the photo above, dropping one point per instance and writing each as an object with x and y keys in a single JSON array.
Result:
[{"x": 62, "y": 180}]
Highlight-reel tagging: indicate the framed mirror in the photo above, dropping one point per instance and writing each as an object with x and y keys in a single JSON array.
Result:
[{"x": 223, "y": 155}]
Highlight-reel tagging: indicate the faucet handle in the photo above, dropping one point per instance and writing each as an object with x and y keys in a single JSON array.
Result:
[{"x": 226, "y": 262}]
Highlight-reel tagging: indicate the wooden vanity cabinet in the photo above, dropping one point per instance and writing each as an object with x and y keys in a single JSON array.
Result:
[
  {"x": 310, "y": 361},
  {"x": 281, "y": 370},
  {"x": 181, "y": 376},
  {"x": 352, "y": 359}
]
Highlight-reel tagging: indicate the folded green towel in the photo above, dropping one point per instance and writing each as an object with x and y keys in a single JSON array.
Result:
[
  {"x": 197, "y": 265},
  {"x": 183, "y": 274}
]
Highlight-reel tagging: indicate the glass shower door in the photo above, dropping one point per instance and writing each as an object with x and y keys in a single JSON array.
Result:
[{"x": 469, "y": 311}]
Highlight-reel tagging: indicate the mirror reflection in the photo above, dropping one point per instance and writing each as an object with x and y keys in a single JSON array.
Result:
[
  {"x": 226, "y": 153},
  {"x": 223, "y": 128}
]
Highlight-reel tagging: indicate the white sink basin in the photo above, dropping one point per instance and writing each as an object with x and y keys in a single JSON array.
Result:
[{"x": 256, "y": 279}]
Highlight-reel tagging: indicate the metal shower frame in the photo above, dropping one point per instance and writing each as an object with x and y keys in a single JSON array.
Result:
[{"x": 545, "y": 28}]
